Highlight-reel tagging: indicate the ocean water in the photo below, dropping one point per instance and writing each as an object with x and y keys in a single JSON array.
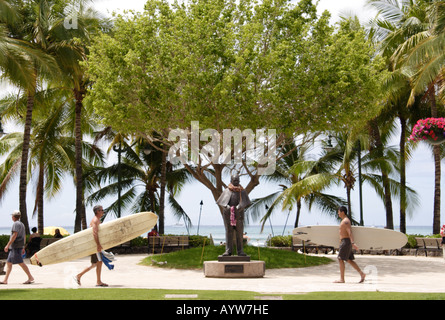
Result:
[{"x": 254, "y": 233}]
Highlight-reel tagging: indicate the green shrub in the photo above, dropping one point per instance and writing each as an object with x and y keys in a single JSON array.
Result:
[
  {"x": 280, "y": 241},
  {"x": 198, "y": 241},
  {"x": 139, "y": 242},
  {"x": 3, "y": 241}
]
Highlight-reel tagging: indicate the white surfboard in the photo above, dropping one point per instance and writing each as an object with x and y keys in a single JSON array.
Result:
[
  {"x": 82, "y": 244},
  {"x": 364, "y": 237}
]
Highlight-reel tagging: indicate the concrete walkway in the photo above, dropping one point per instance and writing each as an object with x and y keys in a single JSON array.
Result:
[{"x": 384, "y": 273}]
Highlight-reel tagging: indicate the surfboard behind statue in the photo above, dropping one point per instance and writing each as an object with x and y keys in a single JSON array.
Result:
[
  {"x": 364, "y": 237},
  {"x": 82, "y": 244}
]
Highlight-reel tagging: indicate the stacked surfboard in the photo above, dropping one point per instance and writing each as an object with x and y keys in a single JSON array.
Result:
[
  {"x": 82, "y": 244},
  {"x": 364, "y": 237}
]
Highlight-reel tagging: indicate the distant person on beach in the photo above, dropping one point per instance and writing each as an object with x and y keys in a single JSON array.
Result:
[
  {"x": 153, "y": 233},
  {"x": 96, "y": 258},
  {"x": 33, "y": 243},
  {"x": 16, "y": 249},
  {"x": 346, "y": 244},
  {"x": 246, "y": 239},
  {"x": 57, "y": 234}
]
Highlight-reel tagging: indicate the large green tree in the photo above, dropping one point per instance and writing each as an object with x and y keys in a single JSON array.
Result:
[{"x": 232, "y": 64}]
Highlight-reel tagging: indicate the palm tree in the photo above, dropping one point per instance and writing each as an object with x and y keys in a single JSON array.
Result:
[
  {"x": 36, "y": 32},
  {"x": 299, "y": 179},
  {"x": 43, "y": 29},
  {"x": 378, "y": 165},
  {"x": 140, "y": 171},
  {"x": 72, "y": 49},
  {"x": 395, "y": 23},
  {"x": 51, "y": 147},
  {"x": 422, "y": 59},
  {"x": 22, "y": 62}
]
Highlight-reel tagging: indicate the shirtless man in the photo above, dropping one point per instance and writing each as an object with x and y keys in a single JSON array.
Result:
[
  {"x": 346, "y": 244},
  {"x": 96, "y": 259}
]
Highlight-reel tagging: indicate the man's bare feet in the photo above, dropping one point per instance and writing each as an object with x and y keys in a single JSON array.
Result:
[
  {"x": 102, "y": 285},
  {"x": 363, "y": 278},
  {"x": 339, "y": 281}
]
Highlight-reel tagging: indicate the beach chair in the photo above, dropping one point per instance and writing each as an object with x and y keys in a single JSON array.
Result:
[{"x": 428, "y": 244}]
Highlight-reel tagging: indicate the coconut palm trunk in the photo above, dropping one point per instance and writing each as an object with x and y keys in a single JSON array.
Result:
[
  {"x": 402, "y": 174},
  {"x": 437, "y": 168},
  {"x": 162, "y": 195},
  {"x": 378, "y": 145},
  {"x": 24, "y": 164},
  {"x": 39, "y": 199},
  {"x": 80, "y": 221}
]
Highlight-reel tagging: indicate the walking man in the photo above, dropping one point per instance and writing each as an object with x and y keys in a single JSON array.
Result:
[
  {"x": 16, "y": 249},
  {"x": 346, "y": 244},
  {"x": 96, "y": 258}
]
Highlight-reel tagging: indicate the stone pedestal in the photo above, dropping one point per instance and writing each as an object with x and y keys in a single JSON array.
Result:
[{"x": 234, "y": 267}]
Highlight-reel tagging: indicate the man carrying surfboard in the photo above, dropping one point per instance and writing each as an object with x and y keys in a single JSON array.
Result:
[
  {"x": 346, "y": 244},
  {"x": 96, "y": 259}
]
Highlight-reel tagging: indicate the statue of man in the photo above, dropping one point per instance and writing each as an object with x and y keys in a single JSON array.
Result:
[{"x": 234, "y": 200}]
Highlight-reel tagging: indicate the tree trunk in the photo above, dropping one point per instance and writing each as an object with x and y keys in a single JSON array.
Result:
[
  {"x": 402, "y": 175},
  {"x": 437, "y": 174},
  {"x": 378, "y": 145},
  {"x": 39, "y": 196},
  {"x": 80, "y": 221},
  {"x": 388, "y": 201},
  {"x": 24, "y": 164},
  {"x": 348, "y": 198},
  {"x": 162, "y": 195},
  {"x": 297, "y": 219},
  {"x": 437, "y": 191}
]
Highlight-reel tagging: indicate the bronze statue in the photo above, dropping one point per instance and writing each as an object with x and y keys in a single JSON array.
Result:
[{"x": 234, "y": 200}]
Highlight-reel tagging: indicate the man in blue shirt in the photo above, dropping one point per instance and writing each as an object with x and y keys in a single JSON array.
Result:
[{"x": 16, "y": 248}]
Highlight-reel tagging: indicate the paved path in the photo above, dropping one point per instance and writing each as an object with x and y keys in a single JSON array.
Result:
[{"x": 385, "y": 273}]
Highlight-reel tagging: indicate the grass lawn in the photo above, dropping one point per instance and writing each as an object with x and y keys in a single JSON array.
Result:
[
  {"x": 155, "y": 294},
  {"x": 274, "y": 258}
]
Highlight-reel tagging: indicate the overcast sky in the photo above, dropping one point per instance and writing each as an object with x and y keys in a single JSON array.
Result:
[
  {"x": 336, "y": 7},
  {"x": 420, "y": 175}
]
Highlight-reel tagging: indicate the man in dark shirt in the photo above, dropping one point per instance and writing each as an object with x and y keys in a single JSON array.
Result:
[{"x": 16, "y": 248}]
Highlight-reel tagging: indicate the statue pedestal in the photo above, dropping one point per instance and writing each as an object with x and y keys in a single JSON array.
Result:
[
  {"x": 233, "y": 258},
  {"x": 234, "y": 267}
]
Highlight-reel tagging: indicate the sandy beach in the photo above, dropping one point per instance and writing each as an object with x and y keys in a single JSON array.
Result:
[{"x": 384, "y": 273}]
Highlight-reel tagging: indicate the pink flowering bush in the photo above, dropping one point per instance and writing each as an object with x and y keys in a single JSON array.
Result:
[{"x": 430, "y": 130}]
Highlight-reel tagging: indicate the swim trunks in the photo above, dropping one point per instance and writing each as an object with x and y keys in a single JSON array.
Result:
[
  {"x": 95, "y": 258},
  {"x": 15, "y": 256},
  {"x": 345, "y": 250}
]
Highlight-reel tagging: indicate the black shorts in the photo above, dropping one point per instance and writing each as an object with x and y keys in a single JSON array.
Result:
[{"x": 345, "y": 250}]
